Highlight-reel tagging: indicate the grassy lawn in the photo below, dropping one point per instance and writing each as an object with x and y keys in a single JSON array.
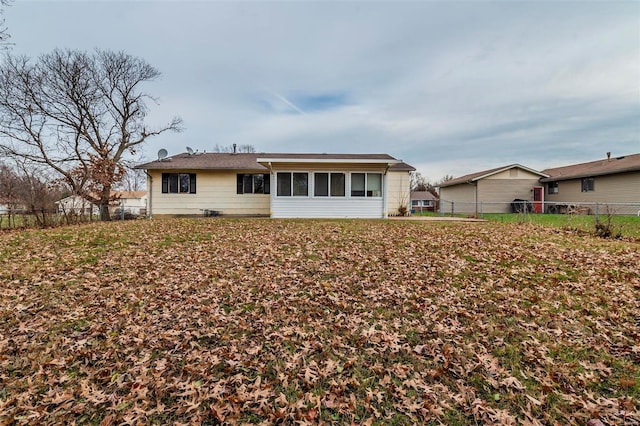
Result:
[
  {"x": 338, "y": 322},
  {"x": 626, "y": 226}
]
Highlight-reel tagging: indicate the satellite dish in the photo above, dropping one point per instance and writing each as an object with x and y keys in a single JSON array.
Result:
[
  {"x": 162, "y": 154},
  {"x": 189, "y": 151}
]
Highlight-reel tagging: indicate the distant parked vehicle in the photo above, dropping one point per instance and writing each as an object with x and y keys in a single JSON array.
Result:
[{"x": 521, "y": 206}]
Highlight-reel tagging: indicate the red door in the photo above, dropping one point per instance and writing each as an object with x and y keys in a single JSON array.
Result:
[{"x": 538, "y": 199}]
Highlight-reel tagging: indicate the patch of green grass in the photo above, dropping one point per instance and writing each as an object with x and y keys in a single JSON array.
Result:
[{"x": 628, "y": 226}]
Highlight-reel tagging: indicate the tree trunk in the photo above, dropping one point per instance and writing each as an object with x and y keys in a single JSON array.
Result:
[{"x": 105, "y": 200}]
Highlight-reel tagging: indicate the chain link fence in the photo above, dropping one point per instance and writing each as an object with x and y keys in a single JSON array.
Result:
[
  {"x": 524, "y": 207},
  {"x": 48, "y": 218}
]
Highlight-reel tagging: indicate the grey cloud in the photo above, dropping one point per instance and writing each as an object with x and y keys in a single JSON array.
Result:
[{"x": 446, "y": 86}]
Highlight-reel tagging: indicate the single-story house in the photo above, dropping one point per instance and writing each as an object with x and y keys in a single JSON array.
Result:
[
  {"x": 134, "y": 202},
  {"x": 75, "y": 204},
  {"x": 278, "y": 185},
  {"x": 492, "y": 191},
  {"x": 5, "y": 205},
  {"x": 423, "y": 201},
  {"x": 614, "y": 182},
  {"x": 10, "y": 206}
]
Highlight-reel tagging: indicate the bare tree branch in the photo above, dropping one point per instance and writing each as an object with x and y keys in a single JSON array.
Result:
[
  {"x": 4, "y": 34},
  {"x": 82, "y": 114}
]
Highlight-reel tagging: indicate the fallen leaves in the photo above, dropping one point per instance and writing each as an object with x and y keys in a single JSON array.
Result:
[{"x": 265, "y": 321}]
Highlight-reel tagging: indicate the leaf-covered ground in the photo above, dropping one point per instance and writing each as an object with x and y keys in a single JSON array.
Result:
[{"x": 335, "y": 322}]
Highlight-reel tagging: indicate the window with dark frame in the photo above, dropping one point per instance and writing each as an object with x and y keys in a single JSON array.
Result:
[
  {"x": 366, "y": 184},
  {"x": 337, "y": 184},
  {"x": 300, "y": 184},
  {"x": 178, "y": 183},
  {"x": 358, "y": 184},
  {"x": 283, "y": 183},
  {"x": 552, "y": 188},
  {"x": 328, "y": 184},
  {"x": 588, "y": 184},
  {"x": 292, "y": 184},
  {"x": 254, "y": 183},
  {"x": 321, "y": 184},
  {"x": 374, "y": 185}
]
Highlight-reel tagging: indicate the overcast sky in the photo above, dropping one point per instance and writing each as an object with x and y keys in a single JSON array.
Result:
[{"x": 448, "y": 87}]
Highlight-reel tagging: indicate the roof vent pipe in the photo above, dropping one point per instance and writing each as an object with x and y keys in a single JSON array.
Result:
[
  {"x": 234, "y": 148},
  {"x": 609, "y": 156}
]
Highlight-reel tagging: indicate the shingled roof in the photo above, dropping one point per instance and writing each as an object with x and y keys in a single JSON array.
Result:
[
  {"x": 206, "y": 161},
  {"x": 472, "y": 177},
  {"x": 607, "y": 166},
  {"x": 249, "y": 161}
]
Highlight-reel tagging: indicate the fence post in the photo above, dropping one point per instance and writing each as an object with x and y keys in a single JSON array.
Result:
[
  {"x": 597, "y": 213},
  {"x": 452, "y": 208}
]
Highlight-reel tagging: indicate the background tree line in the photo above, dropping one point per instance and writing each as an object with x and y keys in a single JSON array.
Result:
[{"x": 27, "y": 191}]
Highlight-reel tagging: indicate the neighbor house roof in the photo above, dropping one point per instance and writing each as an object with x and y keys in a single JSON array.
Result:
[
  {"x": 607, "y": 166},
  {"x": 114, "y": 194},
  {"x": 129, "y": 194},
  {"x": 473, "y": 177},
  {"x": 422, "y": 195},
  {"x": 256, "y": 161}
]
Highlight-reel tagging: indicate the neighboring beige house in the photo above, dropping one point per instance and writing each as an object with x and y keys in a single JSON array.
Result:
[
  {"x": 278, "y": 185},
  {"x": 492, "y": 191},
  {"x": 614, "y": 181}
]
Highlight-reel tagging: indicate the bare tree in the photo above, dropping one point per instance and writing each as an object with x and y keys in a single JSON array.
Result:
[
  {"x": 28, "y": 191},
  {"x": 133, "y": 180},
  {"x": 81, "y": 114},
  {"x": 37, "y": 193},
  {"x": 421, "y": 183},
  {"x": 9, "y": 187},
  {"x": 246, "y": 148},
  {"x": 418, "y": 182},
  {"x": 4, "y": 35}
]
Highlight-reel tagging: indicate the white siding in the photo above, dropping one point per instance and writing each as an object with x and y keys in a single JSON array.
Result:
[
  {"x": 328, "y": 207},
  {"x": 309, "y": 207},
  {"x": 133, "y": 205}
]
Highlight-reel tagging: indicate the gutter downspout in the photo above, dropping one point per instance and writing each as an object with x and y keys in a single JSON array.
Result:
[
  {"x": 385, "y": 208},
  {"x": 150, "y": 198},
  {"x": 475, "y": 199},
  {"x": 272, "y": 189}
]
